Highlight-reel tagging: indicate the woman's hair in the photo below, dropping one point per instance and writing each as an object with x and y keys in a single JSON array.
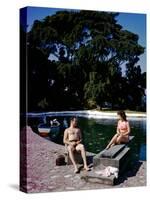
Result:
[{"x": 122, "y": 114}]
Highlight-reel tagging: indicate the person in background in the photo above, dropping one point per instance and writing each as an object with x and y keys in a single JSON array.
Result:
[{"x": 123, "y": 130}]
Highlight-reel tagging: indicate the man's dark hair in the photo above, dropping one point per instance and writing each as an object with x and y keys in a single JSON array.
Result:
[{"x": 72, "y": 118}]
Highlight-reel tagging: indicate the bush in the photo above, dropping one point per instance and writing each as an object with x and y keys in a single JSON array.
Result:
[{"x": 91, "y": 104}]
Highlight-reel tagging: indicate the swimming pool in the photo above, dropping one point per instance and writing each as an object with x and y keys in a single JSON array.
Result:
[{"x": 97, "y": 133}]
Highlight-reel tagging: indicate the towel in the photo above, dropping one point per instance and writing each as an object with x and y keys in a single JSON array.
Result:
[{"x": 108, "y": 171}]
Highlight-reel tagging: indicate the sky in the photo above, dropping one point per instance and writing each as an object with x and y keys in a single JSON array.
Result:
[{"x": 135, "y": 23}]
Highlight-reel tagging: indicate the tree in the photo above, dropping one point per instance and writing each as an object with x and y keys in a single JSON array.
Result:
[
  {"x": 89, "y": 48},
  {"x": 136, "y": 84}
]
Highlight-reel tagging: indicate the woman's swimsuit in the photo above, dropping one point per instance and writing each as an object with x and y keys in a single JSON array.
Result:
[{"x": 123, "y": 127}]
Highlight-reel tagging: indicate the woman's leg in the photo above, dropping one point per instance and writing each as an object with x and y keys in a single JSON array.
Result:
[
  {"x": 121, "y": 139},
  {"x": 113, "y": 141}
]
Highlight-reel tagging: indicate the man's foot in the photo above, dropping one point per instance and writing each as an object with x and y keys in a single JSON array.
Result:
[
  {"x": 76, "y": 171},
  {"x": 87, "y": 168}
]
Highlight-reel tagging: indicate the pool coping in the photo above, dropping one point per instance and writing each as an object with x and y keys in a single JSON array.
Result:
[{"x": 87, "y": 114}]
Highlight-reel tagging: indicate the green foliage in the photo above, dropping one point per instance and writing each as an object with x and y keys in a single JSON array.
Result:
[
  {"x": 43, "y": 104},
  {"x": 90, "y": 48}
]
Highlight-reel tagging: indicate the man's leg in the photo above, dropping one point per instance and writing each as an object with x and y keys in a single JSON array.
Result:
[
  {"x": 71, "y": 155},
  {"x": 80, "y": 147}
]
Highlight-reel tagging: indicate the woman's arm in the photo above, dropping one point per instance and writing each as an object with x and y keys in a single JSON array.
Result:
[{"x": 118, "y": 130}]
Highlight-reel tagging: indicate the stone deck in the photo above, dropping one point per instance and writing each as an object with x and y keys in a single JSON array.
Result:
[{"x": 44, "y": 176}]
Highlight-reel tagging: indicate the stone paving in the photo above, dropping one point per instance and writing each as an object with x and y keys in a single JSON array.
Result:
[{"x": 42, "y": 174}]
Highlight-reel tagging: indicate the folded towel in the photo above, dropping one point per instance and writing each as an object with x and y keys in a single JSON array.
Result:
[{"x": 108, "y": 171}]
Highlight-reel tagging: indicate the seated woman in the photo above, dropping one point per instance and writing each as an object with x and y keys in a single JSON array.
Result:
[{"x": 123, "y": 130}]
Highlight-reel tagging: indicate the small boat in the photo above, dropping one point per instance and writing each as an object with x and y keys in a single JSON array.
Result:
[
  {"x": 49, "y": 130},
  {"x": 44, "y": 130}
]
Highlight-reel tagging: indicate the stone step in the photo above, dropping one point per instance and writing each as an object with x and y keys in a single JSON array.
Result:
[
  {"x": 115, "y": 150},
  {"x": 131, "y": 140},
  {"x": 114, "y": 162},
  {"x": 112, "y": 152},
  {"x": 94, "y": 178},
  {"x": 131, "y": 137},
  {"x": 78, "y": 158}
]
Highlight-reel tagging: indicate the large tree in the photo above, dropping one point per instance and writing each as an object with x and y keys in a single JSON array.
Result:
[{"x": 89, "y": 49}]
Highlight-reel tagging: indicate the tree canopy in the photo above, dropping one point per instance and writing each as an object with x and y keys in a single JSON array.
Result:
[{"x": 75, "y": 61}]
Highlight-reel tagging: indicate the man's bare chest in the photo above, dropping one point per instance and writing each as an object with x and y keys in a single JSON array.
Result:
[{"x": 73, "y": 132}]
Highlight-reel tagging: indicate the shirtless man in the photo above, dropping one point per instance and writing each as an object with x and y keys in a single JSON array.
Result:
[{"x": 72, "y": 138}]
